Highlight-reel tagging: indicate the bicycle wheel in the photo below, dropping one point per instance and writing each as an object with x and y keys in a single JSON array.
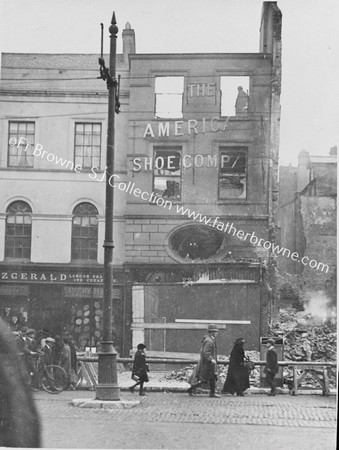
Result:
[{"x": 55, "y": 379}]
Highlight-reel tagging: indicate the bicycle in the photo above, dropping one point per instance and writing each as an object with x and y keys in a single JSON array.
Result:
[{"x": 51, "y": 378}]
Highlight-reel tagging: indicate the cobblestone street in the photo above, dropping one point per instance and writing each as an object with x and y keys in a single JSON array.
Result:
[{"x": 175, "y": 420}]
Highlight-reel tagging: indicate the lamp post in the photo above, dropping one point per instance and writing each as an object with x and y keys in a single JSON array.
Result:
[{"x": 108, "y": 388}]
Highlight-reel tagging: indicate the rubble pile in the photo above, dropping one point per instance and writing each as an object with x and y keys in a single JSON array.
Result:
[
  {"x": 185, "y": 373},
  {"x": 307, "y": 338}
]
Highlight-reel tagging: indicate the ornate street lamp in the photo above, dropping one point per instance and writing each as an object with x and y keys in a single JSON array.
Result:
[{"x": 108, "y": 388}]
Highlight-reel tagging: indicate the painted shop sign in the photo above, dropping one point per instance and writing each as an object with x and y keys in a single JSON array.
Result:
[
  {"x": 7, "y": 289},
  {"x": 182, "y": 127},
  {"x": 51, "y": 277},
  {"x": 88, "y": 292},
  {"x": 201, "y": 90}
]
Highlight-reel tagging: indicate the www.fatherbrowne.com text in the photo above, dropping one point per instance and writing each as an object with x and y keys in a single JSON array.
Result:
[
  {"x": 228, "y": 228},
  {"x": 153, "y": 198}
]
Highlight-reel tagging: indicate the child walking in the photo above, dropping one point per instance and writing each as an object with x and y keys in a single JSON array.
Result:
[{"x": 140, "y": 369}]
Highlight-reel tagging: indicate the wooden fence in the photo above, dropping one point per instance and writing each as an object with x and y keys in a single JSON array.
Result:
[{"x": 317, "y": 370}]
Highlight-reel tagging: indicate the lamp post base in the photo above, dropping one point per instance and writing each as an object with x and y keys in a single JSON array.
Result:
[
  {"x": 107, "y": 392},
  {"x": 107, "y": 388}
]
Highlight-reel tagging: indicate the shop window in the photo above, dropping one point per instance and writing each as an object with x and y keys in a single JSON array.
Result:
[
  {"x": 87, "y": 146},
  {"x": 85, "y": 232},
  {"x": 169, "y": 93},
  {"x": 18, "y": 231},
  {"x": 167, "y": 172},
  {"x": 21, "y": 144},
  {"x": 232, "y": 172},
  {"x": 196, "y": 242},
  {"x": 234, "y": 96}
]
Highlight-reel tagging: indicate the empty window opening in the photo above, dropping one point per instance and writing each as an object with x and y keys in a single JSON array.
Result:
[
  {"x": 167, "y": 172},
  {"x": 169, "y": 97},
  {"x": 234, "y": 96}
]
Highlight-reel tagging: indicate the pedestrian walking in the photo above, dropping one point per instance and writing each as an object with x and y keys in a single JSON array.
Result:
[
  {"x": 140, "y": 369},
  {"x": 271, "y": 367},
  {"x": 207, "y": 369},
  {"x": 68, "y": 362},
  {"x": 237, "y": 380}
]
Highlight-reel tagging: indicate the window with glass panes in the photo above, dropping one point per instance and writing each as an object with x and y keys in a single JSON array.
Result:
[
  {"x": 167, "y": 172},
  {"x": 85, "y": 232},
  {"x": 87, "y": 146},
  {"x": 22, "y": 135},
  {"x": 18, "y": 231}
]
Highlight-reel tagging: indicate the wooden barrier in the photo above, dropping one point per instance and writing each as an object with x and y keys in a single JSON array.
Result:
[{"x": 314, "y": 368}]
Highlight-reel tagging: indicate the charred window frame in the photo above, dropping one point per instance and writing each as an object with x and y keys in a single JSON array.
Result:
[
  {"x": 23, "y": 135},
  {"x": 167, "y": 172},
  {"x": 169, "y": 96},
  {"x": 232, "y": 180}
]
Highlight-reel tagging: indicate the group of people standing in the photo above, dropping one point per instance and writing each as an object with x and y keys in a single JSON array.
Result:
[
  {"x": 237, "y": 380},
  {"x": 57, "y": 350}
]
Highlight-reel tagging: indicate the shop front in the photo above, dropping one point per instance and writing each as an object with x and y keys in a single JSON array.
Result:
[{"x": 62, "y": 300}]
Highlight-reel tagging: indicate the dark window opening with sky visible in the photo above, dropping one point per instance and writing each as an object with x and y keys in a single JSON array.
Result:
[{"x": 234, "y": 96}]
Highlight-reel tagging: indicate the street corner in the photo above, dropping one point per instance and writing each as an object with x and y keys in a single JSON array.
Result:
[{"x": 104, "y": 404}]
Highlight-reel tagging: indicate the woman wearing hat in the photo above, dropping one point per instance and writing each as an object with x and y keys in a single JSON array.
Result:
[
  {"x": 140, "y": 369},
  {"x": 237, "y": 380}
]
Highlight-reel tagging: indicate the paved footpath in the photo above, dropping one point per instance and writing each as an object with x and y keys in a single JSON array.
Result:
[{"x": 178, "y": 421}]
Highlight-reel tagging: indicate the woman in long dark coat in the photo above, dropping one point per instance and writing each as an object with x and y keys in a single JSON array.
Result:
[{"x": 237, "y": 380}]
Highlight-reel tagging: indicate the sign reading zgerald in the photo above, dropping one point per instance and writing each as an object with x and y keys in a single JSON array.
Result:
[{"x": 50, "y": 277}]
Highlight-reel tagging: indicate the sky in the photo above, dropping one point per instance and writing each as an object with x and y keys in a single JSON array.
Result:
[{"x": 310, "y": 47}]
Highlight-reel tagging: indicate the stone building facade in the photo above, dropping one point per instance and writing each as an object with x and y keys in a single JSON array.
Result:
[{"x": 195, "y": 181}]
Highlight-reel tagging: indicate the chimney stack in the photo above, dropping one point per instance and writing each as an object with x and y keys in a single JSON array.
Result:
[{"x": 128, "y": 41}]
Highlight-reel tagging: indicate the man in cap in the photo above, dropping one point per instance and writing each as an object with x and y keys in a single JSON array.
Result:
[
  {"x": 271, "y": 367},
  {"x": 208, "y": 369}
]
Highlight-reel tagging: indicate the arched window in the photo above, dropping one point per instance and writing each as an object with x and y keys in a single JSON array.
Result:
[
  {"x": 85, "y": 232},
  {"x": 18, "y": 234}
]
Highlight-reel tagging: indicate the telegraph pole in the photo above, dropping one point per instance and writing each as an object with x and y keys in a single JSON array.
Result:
[{"x": 108, "y": 388}]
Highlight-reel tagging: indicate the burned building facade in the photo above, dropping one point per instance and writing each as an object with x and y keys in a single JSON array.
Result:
[{"x": 195, "y": 182}]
